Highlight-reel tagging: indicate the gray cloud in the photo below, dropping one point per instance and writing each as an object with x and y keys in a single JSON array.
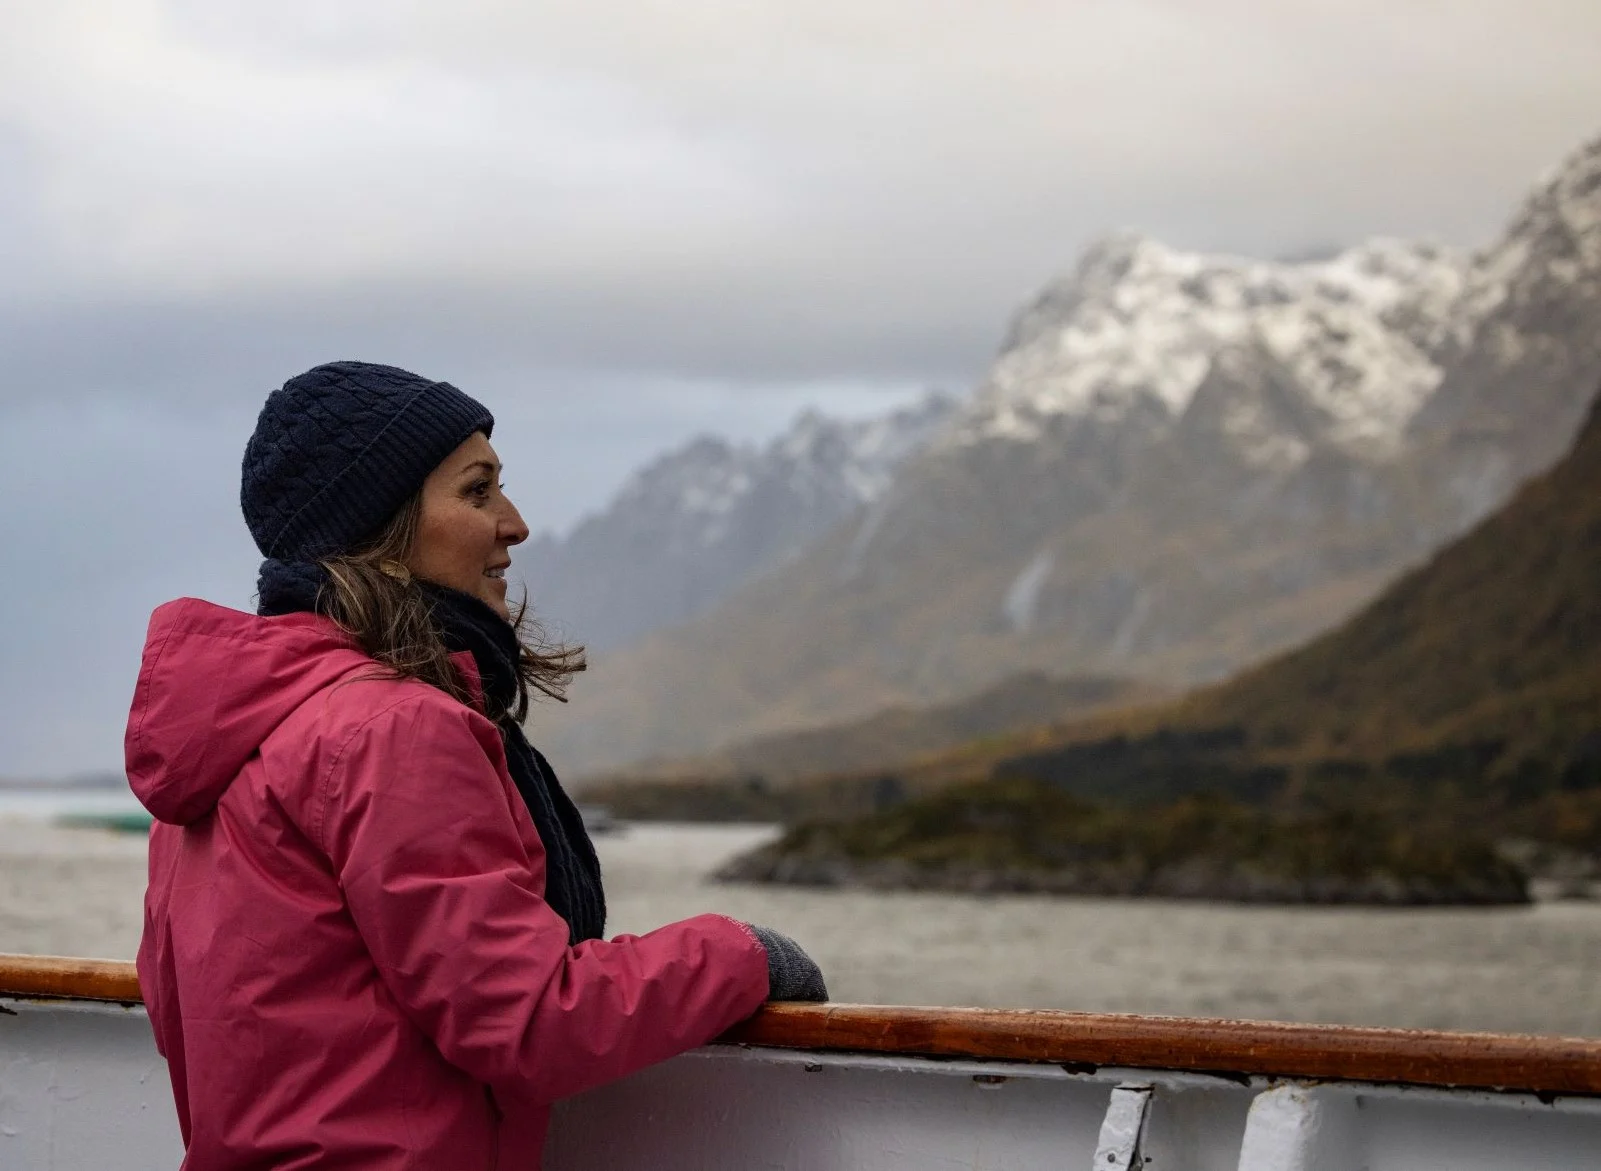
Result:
[
  {"x": 181, "y": 347},
  {"x": 721, "y": 190},
  {"x": 622, "y": 223},
  {"x": 884, "y": 147}
]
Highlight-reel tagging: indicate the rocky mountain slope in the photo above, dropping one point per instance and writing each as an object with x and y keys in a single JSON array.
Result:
[
  {"x": 695, "y": 524},
  {"x": 1177, "y": 465},
  {"x": 1518, "y": 365},
  {"x": 1476, "y": 676},
  {"x": 1130, "y": 338},
  {"x": 1373, "y": 765}
]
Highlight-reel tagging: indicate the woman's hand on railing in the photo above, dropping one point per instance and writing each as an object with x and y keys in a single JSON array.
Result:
[{"x": 791, "y": 973}]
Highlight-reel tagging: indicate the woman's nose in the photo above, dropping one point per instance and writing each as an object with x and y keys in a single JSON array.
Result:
[{"x": 512, "y": 529}]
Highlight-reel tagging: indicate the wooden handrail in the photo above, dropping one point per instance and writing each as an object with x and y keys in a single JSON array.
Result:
[
  {"x": 68, "y": 977},
  {"x": 1492, "y": 1061}
]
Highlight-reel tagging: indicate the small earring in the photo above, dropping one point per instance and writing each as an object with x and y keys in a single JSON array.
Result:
[{"x": 395, "y": 570}]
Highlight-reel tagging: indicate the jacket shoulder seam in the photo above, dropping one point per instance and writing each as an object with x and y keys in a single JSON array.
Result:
[{"x": 325, "y": 786}]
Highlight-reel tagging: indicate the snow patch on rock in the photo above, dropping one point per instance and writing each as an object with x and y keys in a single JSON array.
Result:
[
  {"x": 831, "y": 464},
  {"x": 1140, "y": 324}
]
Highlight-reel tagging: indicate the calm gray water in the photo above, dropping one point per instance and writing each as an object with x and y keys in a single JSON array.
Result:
[{"x": 1530, "y": 969}]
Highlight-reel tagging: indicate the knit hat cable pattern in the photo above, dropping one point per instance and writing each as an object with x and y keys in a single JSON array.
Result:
[{"x": 337, "y": 450}]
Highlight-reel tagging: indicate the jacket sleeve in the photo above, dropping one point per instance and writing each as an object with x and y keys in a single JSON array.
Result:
[{"x": 448, "y": 899}]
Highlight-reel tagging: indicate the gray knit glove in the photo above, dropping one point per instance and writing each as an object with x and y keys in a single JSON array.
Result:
[{"x": 791, "y": 974}]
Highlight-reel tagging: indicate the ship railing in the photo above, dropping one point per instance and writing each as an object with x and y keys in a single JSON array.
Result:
[{"x": 1268, "y": 1095}]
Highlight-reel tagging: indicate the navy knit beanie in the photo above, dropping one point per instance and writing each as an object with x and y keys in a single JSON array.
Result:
[{"x": 340, "y": 448}]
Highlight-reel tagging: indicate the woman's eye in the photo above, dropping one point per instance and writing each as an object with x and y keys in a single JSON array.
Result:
[{"x": 480, "y": 490}]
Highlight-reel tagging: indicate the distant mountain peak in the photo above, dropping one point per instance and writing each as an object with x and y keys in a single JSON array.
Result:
[
  {"x": 703, "y": 518},
  {"x": 1134, "y": 329},
  {"x": 817, "y": 455},
  {"x": 1555, "y": 233},
  {"x": 1178, "y": 462},
  {"x": 1570, "y": 191}
]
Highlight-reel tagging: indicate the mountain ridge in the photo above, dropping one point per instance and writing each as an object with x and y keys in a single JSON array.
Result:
[
  {"x": 1069, "y": 519},
  {"x": 701, "y": 519},
  {"x": 1480, "y": 669}
]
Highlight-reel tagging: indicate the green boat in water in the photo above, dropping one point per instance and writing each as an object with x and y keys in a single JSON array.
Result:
[{"x": 132, "y": 822}]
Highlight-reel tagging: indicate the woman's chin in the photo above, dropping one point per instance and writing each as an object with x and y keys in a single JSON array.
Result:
[{"x": 494, "y": 596}]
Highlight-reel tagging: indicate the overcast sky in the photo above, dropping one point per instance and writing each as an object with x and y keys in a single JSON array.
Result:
[{"x": 621, "y": 223}]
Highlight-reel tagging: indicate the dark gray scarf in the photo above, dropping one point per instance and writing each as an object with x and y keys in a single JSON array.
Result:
[{"x": 572, "y": 870}]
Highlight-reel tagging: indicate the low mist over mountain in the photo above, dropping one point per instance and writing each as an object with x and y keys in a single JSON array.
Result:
[
  {"x": 700, "y": 521},
  {"x": 1177, "y": 465},
  {"x": 752, "y": 770}
]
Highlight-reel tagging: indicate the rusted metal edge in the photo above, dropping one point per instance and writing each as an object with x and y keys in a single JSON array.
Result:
[{"x": 1489, "y": 1061}]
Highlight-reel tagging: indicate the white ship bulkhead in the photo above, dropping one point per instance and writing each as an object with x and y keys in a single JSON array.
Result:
[{"x": 83, "y": 1089}]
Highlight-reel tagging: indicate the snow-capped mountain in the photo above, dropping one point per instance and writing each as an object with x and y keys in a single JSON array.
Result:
[
  {"x": 1139, "y": 325},
  {"x": 1524, "y": 348},
  {"x": 1177, "y": 464},
  {"x": 699, "y": 521}
]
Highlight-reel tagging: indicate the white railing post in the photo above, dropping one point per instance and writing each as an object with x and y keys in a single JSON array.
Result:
[
  {"x": 1122, "y": 1129},
  {"x": 1299, "y": 1128}
]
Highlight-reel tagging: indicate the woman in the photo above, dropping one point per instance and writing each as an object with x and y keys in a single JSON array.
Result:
[{"x": 374, "y": 926}]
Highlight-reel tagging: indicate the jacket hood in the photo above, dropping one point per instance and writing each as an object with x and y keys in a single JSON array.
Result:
[{"x": 213, "y": 685}]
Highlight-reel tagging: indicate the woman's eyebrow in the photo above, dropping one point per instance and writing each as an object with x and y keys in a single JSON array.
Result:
[{"x": 488, "y": 465}]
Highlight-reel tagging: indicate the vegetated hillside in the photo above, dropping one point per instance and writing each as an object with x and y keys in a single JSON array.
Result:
[
  {"x": 1177, "y": 465},
  {"x": 1021, "y": 835},
  {"x": 1481, "y": 671},
  {"x": 1376, "y": 764},
  {"x": 745, "y": 781}
]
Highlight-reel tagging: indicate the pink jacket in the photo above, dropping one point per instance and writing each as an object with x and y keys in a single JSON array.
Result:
[{"x": 346, "y": 956}]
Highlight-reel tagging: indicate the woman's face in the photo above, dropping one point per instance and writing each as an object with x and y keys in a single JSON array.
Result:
[{"x": 466, "y": 525}]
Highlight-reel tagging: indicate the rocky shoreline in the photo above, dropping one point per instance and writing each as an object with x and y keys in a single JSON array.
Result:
[
  {"x": 1019, "y": 836},
  {"x": 1214, "y": 882}
]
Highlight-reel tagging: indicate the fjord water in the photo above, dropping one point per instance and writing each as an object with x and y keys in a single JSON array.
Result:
[{"x": 1535, "y": 969}]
